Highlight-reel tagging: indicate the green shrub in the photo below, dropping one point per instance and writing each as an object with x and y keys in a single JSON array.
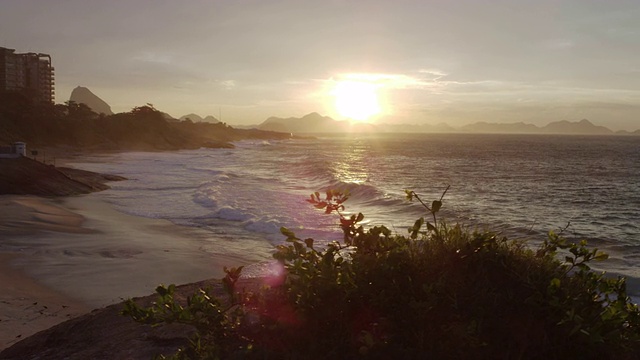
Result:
[{"x": 439, "y": 292}]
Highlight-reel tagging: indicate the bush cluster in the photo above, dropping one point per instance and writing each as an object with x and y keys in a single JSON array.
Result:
[{"x": 441, "y": 291}]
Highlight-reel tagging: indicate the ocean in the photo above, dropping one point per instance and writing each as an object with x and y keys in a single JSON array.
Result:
[{"x": 522, "y": 186}]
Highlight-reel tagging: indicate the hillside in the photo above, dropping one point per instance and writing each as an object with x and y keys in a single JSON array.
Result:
[
  {"x": 582, "y": 127},
  {"x": 144, "y": 128}
]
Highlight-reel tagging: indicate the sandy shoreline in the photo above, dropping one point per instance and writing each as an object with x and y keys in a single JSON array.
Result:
[
  {"x": 26, "y": 305},
  {"x": 63, "y": 257}
]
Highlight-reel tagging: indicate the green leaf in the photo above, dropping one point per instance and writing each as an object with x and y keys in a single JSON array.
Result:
[
  {"x": 286, "y": 232},
  {"x": 415, "y": 229},
  {"x": 409, "y": 194},
  {"x": 435, "y": 206},
  {"x": 299, "y": 248},
  {"x": 309, "y": 243},
  {"x": 601, "y": 256},
  {"x": 162, "y": 291}
]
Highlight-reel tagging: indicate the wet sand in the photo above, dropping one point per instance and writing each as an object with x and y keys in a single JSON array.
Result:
[
  {"x": 61, "y": 258},
  {"x": 27, "y": 306}
]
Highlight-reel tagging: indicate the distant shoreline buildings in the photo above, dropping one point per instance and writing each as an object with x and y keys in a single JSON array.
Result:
[{"x": 27, "y": 72}]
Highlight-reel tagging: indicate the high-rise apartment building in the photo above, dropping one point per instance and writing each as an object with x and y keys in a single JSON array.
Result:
[{"x": 28, "y": 72}]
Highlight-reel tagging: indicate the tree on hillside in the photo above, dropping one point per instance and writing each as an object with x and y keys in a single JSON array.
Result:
[
  {"x": 79, "y": 111},
  {"x": 147, "y": 112}
]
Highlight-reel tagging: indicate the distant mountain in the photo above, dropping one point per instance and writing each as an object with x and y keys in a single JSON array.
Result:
[
  {"x": 168, "y": 117},
  {"x": 624, "y": 132},
  {"x": 582, "y": 127},
  {"x": 316, "y": 123},
  {"x": 192, "y": 117},
  {"x": 310, "y": 123},
  {"x": 414, "y": 128},
  {"x": 564, "y": 127},
  {"x": 197, "y": 118},
  {"x": 82, "y": 95},
  {"x": 495, "y": 128}
]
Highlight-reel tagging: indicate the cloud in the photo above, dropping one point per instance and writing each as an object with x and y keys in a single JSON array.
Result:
[
  {"x": 255, "y": 53},
  {"x": 152, "y": 57},
  {"x": 559, "y": 43},
  {"x": 228, "y": 84}
]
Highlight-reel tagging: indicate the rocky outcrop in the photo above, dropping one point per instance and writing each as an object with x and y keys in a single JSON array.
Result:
[
  {"x": 82, "y": 95},
  {"x": 24, "y": 176}
]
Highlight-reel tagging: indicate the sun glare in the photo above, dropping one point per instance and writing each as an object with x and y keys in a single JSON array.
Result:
[{"x": 357, "y": 100}]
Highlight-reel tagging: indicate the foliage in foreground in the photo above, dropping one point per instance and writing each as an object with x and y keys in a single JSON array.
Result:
[{"x": 439, "y": 292}]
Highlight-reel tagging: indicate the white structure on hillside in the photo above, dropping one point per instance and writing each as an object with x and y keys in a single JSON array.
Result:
[{"x": 15, "y": 150}]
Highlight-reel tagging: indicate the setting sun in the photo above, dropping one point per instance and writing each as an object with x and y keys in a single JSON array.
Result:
[{"x": 356, "y": 100}]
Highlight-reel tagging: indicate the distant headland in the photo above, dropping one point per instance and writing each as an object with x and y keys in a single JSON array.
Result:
[
  {"x": 316, "y": 123},
  {"x": 86, "y": 123}
]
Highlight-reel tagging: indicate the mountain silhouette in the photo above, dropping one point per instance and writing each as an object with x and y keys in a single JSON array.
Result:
[
  {"x": 198, "y": 118},
  {"x": 82, "y": 95},
  {"x": 310, "y": 123},
  {"x": 496, "y": 128},
  {"x": 582, "y": 127},
  {"x": 316, "y": 123}
]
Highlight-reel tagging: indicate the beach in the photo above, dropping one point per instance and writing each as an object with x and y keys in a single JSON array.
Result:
[
  {"x": 63, "y": 257},
  {"x": 182, "y": 216}
]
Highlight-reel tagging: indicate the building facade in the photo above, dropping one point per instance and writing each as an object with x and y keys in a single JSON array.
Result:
[
  {"x": 15, "y": 150},
  {"x": 30, "y": 72}
]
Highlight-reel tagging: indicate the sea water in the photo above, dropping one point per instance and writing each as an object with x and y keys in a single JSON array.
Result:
[{"x": 520, "y": 185}]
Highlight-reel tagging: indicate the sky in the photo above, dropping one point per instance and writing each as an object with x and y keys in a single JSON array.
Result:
[{"x": 424, "y": 61}]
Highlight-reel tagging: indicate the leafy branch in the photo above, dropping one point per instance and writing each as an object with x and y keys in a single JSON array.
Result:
[
  {"x": 436, "y": 205},
  {"x": 442, "y": 293}
]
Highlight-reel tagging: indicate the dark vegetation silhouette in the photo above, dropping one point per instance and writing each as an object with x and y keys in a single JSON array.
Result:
[
  {"x": 74, "y": 125},
  {"x": 439, "y": 292}
]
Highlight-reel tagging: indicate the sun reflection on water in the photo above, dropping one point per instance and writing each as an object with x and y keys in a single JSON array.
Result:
[{"x": 352, "y": 166}]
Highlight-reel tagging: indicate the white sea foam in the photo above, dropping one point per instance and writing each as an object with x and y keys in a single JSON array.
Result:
[
  {"x": 229, "y": 213},
  {"x": 523, "y": 184}
]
